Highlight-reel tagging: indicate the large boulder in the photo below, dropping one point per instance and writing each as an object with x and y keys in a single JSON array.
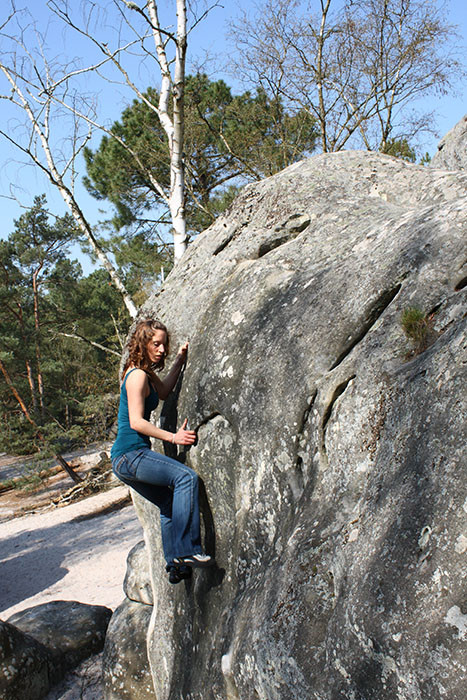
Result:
[
  {"x": 452, "y": 149},
  {"x": 70, "y": 630},
  {"x": 126, "y": 672},
  {"x": 27, "y": 669},
  {"x": 330, "y": 447},
  {"x": 38, "y": 645}
]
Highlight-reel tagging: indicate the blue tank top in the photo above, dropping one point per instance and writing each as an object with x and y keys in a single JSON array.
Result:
[{"x": 127, "y": 438}]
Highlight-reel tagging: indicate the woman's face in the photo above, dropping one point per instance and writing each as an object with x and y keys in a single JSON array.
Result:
[{"x": 157, "y": 346}]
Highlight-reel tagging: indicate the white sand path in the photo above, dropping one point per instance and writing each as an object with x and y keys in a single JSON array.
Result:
[{"x": 76, "y": 552}]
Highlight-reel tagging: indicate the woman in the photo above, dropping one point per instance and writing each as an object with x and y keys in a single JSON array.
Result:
[{"x": 167, "y": 483}]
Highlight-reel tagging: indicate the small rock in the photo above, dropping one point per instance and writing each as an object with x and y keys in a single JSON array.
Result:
[{"x": 137, "y": 583}]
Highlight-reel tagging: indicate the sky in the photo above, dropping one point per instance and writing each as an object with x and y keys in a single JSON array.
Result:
[{"x": 209, "y": 37}]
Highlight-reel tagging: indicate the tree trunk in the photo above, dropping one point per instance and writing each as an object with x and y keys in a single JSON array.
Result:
[
  {"x": 320, "y": 78},
  {"x": 177, "y": 190},
  {"x": 61, "y": 460},
  {"x": 40, "y": 383},
  {"x": 69, "y": 470},
  {"x": 173, "y": 128},
  {"x": 15, "y": 393},
  {"x": 32, "y": 386},
  {"x": 86, "y": 229},
  {"x": 29, "y": 372}
]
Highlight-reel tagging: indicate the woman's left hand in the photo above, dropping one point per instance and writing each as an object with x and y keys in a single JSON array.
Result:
[
  {"x": 183, "y": 352},
  {"x": 165, "y": 386}
]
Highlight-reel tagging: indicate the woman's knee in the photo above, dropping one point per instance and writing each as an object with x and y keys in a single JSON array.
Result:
[{"x": 187, "y": 476}]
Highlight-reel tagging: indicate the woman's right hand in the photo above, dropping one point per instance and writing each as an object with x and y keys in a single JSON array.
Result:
[{"x": 184, "y": 436}]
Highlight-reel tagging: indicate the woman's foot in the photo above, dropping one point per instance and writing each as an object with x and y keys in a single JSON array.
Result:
[
  {"x": 197, "y": 561},
  {"x": 178, "y": 573}
]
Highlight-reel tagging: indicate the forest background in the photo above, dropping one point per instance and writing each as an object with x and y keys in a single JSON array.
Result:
[{"x": 248, "y": 114}]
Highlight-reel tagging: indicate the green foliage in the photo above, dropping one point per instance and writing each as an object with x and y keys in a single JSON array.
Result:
[
  {"x": 399, "y": 148},
  {"x": 112, "y": 170},
  {"x": 50, "y": 314},
  {"x": 27, "y": 482},
  {"x": 140, "y": 263},
  {"x": 418, "y": 328},
  {"x": 228, "y": 140},
  {"x": 17, "y": 435},
  {"x": 98, "y": 414}
]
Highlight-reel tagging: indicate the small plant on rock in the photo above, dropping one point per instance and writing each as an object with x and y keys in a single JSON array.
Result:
[{"x": 418, "y": 327}]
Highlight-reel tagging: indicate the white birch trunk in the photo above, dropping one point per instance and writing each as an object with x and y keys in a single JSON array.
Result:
[
  {"x": 56, "y": 179},
  {"x": 173, "y": 128},
  {"x": 177, "y": 175}
]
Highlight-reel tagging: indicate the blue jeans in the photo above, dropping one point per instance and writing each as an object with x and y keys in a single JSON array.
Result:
[{"x": 171, "y": 486}]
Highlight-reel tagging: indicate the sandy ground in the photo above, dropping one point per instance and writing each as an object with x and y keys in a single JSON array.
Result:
[{"x": 77, "y": 552}]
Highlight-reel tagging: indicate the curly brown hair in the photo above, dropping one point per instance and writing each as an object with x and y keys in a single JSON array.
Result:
[{"x": 137, "y": 346}]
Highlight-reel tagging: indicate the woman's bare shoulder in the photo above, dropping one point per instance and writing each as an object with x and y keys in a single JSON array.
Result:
[{"x": 135, "y": 376}]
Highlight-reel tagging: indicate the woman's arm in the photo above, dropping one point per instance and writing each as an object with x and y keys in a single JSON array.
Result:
[
  {"x": 165, "y": 386},
  {"x": 137, "y": 389}
]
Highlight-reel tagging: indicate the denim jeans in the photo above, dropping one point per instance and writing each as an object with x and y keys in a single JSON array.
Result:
[{"x": 171, "y": 486}]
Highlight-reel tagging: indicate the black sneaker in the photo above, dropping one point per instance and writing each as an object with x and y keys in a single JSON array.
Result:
[
  {"x": 174, "y": 574},
  {"x": 178, "y": 573}
]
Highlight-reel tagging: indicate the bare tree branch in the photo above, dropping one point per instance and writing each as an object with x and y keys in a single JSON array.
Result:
[
  {"x": 356, "y": 66},
  {"x": 172, "y": 89},
  {"x": 37, "y": 108},
  {"x": 76, "y": 336}
]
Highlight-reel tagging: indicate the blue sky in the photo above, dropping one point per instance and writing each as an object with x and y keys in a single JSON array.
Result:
[{"x": 209, "y": 37}]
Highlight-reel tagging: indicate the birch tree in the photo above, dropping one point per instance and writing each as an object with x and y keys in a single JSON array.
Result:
[
  {"x": 171, "y": 73},
  {"x": 33, "y": 88},
  {"x": 174, "y": 128},
  {"x": 229, "y": 140},
  {"x": 62, "y": 116}
]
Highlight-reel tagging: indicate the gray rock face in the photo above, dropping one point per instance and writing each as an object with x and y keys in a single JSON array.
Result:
[
  {"x": 70, "y": 630},
  {"x": 38, "y": 645},
  {"x": 137, "y": 583},
  {"x": 452, "y": 149},
  {"x": 26, "y": 666},
  {"x": 335, "y": 494},
  {"x": 126, "y": 671}
]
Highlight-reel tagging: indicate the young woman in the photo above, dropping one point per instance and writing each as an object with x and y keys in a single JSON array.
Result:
[{"x": 167, "y": 483}]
